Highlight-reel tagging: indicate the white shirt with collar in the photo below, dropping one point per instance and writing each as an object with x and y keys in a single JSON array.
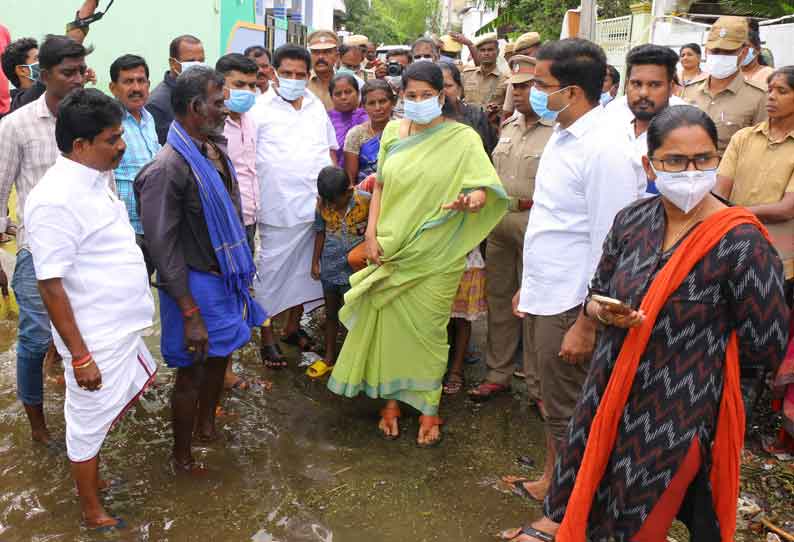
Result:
[
  {"x": 635, "y": 146},
  {"x": 78, "y": 231},
  {"x": 293, "y": 145},
  {"x": 583, "y": 180}
]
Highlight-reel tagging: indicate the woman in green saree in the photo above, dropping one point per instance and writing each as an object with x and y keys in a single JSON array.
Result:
[{"x": 437, "y": 196}]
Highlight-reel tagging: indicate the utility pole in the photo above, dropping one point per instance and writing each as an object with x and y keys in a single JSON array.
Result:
[{"x": 587, "y": 20}]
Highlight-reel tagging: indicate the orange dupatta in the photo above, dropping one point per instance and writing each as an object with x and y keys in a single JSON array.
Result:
[{"x": 729, "y": 440}]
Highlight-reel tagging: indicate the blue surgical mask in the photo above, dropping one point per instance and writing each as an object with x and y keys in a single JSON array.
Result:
[
  {"x": 749, "y": 58},
  {"x": 539, "y": 101},
  {"x": 240, "y": 100},
  {"x": 35, "y": 71},
  {"x": 424, "y": 111},
  {"x": 605, "y": 98},
  {"x": 345, "y": 69},
  {"x": 291, "y": 89}
]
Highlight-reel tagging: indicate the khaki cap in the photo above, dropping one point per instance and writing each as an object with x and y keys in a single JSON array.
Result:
[
  {"x": 323, "y": 39},
  {"x": 486, "y": 38},
  {"x": 729, "y": 33},
  {"x": 449, "y": 45},
  {"x": 356, "y": 40},
  {"x": 522, "y": 69},
  {"x": 509, "y": 48},
  {"x": 527, "y": 40}
]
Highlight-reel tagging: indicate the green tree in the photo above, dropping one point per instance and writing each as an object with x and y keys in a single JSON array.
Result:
[
  {"x": 390, "y": 22},
  {"x": 545, "y": 16},
  {"x": 759, "y": 8}
]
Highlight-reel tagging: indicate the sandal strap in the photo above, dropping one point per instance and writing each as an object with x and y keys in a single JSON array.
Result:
[
  {"x": 430, "y": 421},
  {"x": 390, "y": 413},
  {"x": 540, "y": 535}
]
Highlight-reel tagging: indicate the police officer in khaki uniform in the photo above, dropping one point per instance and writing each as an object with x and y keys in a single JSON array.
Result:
[
  {"x": 360, "y": 41},
  {"x": 323, "y": 46},
  {"x": 485, "y": 85},
  {"x": 516, "y": 159},
  {"x": 732, "y": 102},
  {"x": 527, "y": 45}
]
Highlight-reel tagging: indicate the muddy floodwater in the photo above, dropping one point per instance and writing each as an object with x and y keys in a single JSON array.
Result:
[{"x": 295, "y": 464}]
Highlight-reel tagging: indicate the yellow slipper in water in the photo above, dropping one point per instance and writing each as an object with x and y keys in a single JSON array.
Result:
[{"x": 318, "y": 369}]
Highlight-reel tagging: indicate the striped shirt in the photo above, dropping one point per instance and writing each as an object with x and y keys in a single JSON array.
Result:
[
  {"x": 142, "y": 146},
  {"x": 27, "y": 150}
]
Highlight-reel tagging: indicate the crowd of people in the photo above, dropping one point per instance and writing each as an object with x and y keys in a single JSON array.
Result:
[{"x": 633, "y": 252}]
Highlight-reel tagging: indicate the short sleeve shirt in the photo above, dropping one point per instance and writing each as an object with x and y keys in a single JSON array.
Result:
[
  {"x": 740, "y": 105},
  {"x": 517, "y": 154},
  {"x": 343, "y": 232},
  {"x": 484, "y": 89},
  {"x": 762, "y": 170}
]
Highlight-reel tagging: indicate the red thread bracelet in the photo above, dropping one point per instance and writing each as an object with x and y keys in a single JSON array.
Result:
[
  {"x": 81, "y": 361},
  {"x": 190, "y": 312}
]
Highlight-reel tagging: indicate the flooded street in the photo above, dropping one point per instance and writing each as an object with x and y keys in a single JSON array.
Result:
[{"x": 295, "y": 464}]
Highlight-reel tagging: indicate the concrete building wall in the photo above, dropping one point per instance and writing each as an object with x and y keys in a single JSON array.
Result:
[{"x": 142, "y": 27}]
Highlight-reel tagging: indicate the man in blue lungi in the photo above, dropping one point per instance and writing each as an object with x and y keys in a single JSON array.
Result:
[{"x": 190, "y": 208}]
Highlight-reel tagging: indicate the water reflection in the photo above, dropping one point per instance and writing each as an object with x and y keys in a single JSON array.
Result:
[{"x": 294, "y": 464}]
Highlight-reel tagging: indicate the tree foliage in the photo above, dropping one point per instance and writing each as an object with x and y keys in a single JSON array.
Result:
[
  {"x": 545, "y": 16},
  {"x": 391, "y": 22},
  {"x": 759, "y": 8}
]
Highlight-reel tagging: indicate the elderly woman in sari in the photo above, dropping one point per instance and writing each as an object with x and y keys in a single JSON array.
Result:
[
  {"x": 687, "y": 288},
  {"x": 362, "y": 144},
  {"x": 437, "y": 196}
]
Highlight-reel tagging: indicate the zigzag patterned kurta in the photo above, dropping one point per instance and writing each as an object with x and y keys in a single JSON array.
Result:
[{"x": 676, "y": 392}]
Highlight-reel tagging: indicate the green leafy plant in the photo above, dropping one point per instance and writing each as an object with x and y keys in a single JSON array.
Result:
[{"x": 391, "y": 21}]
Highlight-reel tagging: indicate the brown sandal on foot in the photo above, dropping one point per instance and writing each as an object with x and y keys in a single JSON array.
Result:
[{"x": 388, "y": 414}]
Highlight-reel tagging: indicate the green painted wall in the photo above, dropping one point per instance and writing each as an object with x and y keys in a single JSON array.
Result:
[
  {"x": 233, "y": 11},
  {"x": 143, "y": 27}
]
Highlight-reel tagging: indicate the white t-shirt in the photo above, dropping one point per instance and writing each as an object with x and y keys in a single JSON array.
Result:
[
  {"x": 293, "y": 145},
  {"x": 79, "y": 231}
]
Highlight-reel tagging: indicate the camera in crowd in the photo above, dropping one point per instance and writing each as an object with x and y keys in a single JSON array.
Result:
[{"x": 394, "y": 69}]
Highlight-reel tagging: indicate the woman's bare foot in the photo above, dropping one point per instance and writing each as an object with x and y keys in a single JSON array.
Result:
[
  {"x": 429, "y": 431},
  {"x": 544, "y": 525},
  {"x": 535, "y": 489}
]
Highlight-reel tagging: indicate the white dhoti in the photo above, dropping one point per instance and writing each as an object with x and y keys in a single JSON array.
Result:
[
  {"x": 127, "y": 369},
  {"x": 283, "y": 268}
]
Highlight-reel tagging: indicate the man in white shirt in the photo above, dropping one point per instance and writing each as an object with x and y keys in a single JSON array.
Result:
[
  {"x": 94, "y": 283},
  {"x": 649, "y": 90},
  {"x": 295, "y": 140},
  {"x": 583, "y": 180},
  {"x": 27, "y": 150}
]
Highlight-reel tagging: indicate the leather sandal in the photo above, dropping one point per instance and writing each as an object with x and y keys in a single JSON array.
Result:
[{"x": 388, "y": 414}]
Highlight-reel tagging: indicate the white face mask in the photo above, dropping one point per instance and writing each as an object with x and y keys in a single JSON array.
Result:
[
  {"x": 722, "y": 66},
  {"x": 687, "y": 188}
]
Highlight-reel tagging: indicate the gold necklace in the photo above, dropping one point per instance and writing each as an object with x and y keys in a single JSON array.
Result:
[{"x": 685, "y": 228}]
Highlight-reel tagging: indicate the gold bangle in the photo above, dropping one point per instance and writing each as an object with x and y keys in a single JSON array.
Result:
[{"x": 84, "y": 365}]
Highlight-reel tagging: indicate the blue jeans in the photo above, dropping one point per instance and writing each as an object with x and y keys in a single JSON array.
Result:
[{"x": 33, "y": 335}]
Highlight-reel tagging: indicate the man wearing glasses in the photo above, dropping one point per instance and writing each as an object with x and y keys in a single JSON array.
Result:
[{"x": 583, "y": 180}]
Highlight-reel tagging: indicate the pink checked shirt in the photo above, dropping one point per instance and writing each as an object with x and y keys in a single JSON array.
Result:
[{"x": 242, "y": 151}]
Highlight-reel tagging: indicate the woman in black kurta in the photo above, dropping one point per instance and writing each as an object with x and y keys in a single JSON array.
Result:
[{"x": 674, "y": 400}]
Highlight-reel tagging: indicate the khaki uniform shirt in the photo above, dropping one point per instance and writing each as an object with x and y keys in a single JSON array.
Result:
[
  {"x": 319, "y": 89},
  {"x": 763, "y": 172},
  {"x": 481, "y": 89},
  {"x": 761, "y": 76},
  {"x": 740, "y": 105},
  {"x": 517, "y": 155}
]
